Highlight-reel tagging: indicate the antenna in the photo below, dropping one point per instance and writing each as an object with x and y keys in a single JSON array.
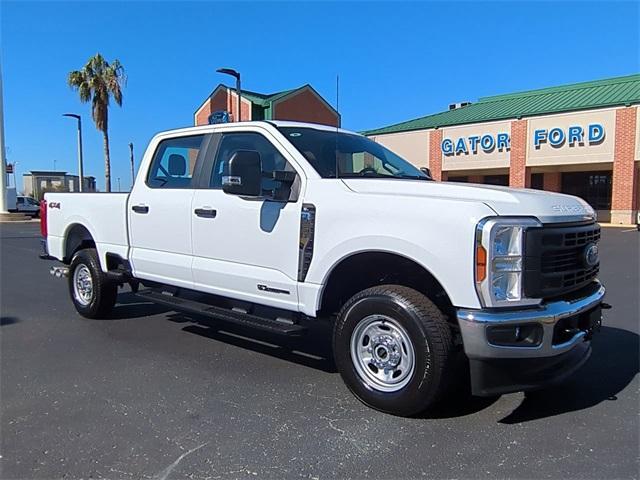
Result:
[{"x": 338, "y": 94}]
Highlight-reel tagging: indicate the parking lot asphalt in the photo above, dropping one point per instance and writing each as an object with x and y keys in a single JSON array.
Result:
[{"x": 155, "y": 394}]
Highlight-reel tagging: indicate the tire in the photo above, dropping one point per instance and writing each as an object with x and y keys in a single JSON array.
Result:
[
  {"x": 91, "y": 292},
  {"x": 401, "y": 329}
]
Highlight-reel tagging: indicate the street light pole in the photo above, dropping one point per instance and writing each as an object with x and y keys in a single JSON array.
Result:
[
  {"x": 3, "y": 163},
  {"x": 80, "y": 166},
  {"x": 236, "y": 75}
]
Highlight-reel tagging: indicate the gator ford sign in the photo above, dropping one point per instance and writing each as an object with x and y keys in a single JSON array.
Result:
[
  {"x": 472, "y": 143},
  {"x": 591, "y": 134}
]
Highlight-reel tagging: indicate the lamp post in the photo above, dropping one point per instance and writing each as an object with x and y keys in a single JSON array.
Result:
[
  {"x": 80, "y": 167},
  {"x": 3, "y": 166},
  {"x": 236, "y": 75}
]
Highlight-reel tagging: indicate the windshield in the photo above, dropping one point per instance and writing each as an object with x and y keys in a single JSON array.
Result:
[{"x": 353, "y": 156}]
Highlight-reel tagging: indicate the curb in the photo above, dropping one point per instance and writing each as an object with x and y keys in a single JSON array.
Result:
[
  {"x": 618, "y": 225},
  {"x": 34, "y": 220}
]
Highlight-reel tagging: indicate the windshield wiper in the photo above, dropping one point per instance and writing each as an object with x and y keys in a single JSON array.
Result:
[
  {"x": 386, "y": 177},
  {"x": 364, "y": 175},
  {"x": 415, "y": 177}
]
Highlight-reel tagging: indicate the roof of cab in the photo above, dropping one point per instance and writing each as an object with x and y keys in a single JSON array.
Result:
[{"x": 262, "y": 123}]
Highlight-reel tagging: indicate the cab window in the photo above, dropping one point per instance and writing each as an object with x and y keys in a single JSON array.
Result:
[
  {"x": 272, "y": 159},
  {"x": 174, "y": 162}
]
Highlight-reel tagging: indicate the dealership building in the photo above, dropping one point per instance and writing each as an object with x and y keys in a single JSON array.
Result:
[
  {"x": 303, "y": 104},
  {"x": 582, "y": 139}
]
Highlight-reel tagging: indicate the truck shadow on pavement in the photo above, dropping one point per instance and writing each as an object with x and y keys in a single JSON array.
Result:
[
  {"x": 311, "y": 350},
  {"x": 130, "y": 306},
  {"x": 613, "y": 365}
]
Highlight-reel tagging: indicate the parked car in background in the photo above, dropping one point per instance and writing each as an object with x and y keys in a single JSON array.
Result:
[{"x": 27, "y": 205}]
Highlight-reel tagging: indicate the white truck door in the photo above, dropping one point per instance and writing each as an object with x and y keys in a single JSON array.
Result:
[
  {"x": 246, "y": 248},
  {"x": 160, "y": 212}
]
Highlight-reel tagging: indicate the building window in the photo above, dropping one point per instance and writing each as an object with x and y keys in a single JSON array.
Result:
[
  {"x": 537, "y": 181},
  {"x": 593, "y": 187},
  {"x": 502, "y": 180},
  {"x": 458, "y": 179}
]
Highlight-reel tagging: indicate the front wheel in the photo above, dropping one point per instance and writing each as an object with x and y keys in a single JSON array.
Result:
[
  {"x": 92, "y": 293},
  {"x": 393, "y": 348}
]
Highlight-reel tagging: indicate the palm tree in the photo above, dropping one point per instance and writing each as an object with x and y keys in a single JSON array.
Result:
[{"x": 98, "y": 81}]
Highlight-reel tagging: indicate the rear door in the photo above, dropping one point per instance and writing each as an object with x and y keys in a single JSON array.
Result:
[
  {"x": 247, "y": 248},
  {"x": 160, "y": 212}
]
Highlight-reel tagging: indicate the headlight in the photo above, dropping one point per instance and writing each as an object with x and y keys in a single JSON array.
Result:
[{"x": 500, "y": 261}]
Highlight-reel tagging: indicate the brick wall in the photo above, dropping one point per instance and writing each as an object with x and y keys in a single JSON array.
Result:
[
  {"x": 435, "y": 154},
  {"x": 305, "y": 107},
  {"x": 625, "y": 174},
  {"x": 552, "y": 181},
  {"x": 475, "y": 178},
  {"x": 519, "y": 174},
  {"x": 232, "y": 107},
  {"x": 218, "y": 102}
]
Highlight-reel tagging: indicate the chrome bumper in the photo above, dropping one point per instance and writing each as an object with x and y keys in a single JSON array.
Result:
[{"x": 474, "y": 323}]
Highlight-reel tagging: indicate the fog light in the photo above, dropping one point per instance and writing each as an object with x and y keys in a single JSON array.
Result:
[{"x": 528, "y": 335}]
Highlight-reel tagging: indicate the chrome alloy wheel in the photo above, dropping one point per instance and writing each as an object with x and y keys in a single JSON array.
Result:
[
  {"x": 82, "y": 285},
  {"x": 382, "y": 353}
]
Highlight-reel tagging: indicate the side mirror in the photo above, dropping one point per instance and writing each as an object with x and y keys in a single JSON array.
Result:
[
  {"x": 426, "y": 171},
  {"x": 245, "y": 174}
]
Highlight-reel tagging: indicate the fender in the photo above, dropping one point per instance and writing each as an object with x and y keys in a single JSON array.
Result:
[{"x": 322, "y": 266}]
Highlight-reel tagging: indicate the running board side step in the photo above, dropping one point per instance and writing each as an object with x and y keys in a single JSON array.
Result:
[{"x": 239, "y": 318}]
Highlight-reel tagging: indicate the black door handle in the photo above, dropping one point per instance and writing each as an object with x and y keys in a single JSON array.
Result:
[
  {"x": 205, "y": 212},
  {"x": 140, "y": 209}
]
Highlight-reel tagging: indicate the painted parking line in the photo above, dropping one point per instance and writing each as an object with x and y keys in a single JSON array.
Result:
[{"x": 630, "y": 230}]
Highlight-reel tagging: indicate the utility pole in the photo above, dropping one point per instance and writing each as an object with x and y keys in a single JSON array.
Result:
[
  {"x": 119, "y": 184},
  {"x": 133, "y": 170},
  {"x": 3, "y": 163}
]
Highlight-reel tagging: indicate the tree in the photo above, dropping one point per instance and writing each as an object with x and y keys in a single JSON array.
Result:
[{"x": 98, "y": 81}]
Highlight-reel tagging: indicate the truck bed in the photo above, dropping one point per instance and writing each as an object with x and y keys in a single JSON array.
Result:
[{"x": 103, "y": 214}]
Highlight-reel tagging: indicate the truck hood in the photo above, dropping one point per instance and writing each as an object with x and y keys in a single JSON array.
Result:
[{"x": 547, "y": 207}]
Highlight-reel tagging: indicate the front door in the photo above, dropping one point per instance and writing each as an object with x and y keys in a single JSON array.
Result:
[
  {"x": 247, "y": 248},
  {"x": 160, "y": 212}
]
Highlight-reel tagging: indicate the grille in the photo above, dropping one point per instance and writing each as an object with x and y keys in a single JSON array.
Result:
[{"x": 555, "y": 261}]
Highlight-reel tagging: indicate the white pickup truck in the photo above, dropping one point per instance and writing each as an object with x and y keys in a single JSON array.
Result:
[{"x": 278, "y": 224}]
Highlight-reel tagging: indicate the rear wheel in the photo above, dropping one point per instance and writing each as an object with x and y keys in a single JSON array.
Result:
[
  {"x": 92, "y": 293},
  {"x": 394, "y": 349}
]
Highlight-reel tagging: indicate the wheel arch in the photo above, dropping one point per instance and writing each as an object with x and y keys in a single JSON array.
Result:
[
  {"x": 364, "y": 269},
  {"x": 77, "y": 237}
]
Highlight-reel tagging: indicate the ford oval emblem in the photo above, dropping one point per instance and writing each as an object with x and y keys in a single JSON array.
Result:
[{"x": 591, "y": 255}]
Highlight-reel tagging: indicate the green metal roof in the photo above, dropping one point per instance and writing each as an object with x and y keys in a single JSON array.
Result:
[
  {"x": 578, "y": 96},
  {"x": 263, "y": 99}
]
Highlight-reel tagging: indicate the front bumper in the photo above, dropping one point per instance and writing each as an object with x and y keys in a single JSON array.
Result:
[{"x": 504, "y": 367}]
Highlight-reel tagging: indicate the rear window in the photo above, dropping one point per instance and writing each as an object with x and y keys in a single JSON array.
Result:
[{"x": 174, "y": 162}]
